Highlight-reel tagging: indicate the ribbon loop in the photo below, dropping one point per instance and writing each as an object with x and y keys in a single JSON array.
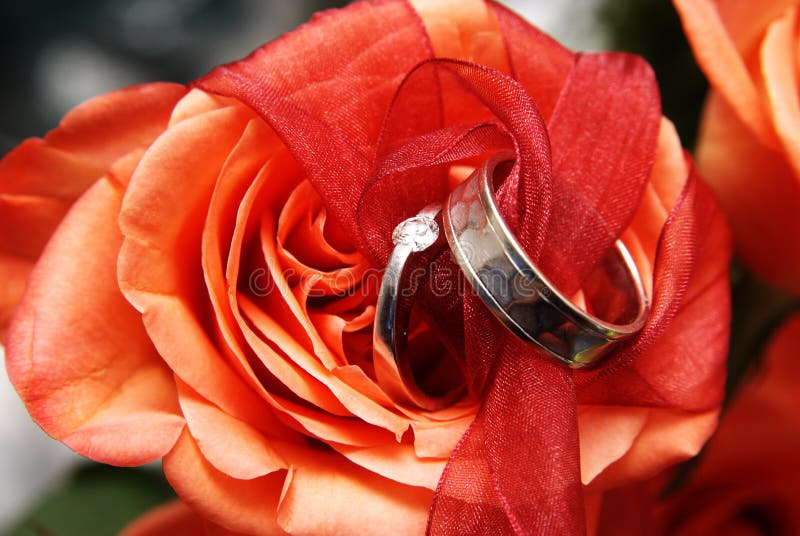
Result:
[{"x": 410, "y": 171}]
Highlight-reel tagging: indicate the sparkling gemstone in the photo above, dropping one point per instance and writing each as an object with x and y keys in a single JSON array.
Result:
[{"x": 418, "y": 232}]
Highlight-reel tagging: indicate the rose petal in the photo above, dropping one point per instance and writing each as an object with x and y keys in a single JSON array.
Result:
[
  {"x": 229, "y": 444},
  {"x": 333, "y": 328},
  {"x": 780, "y": 80},
  {"x": 268, "y": 188},
  {"x": 40, "y": 178},
  {"x": 750, "y": 463},
  {"x": 109, "y": 126},
  {"x": 782, "y": 369},
  {"x": 298, "y": 316},
  {"x": 88, "y": 140},
  {"x": 723, "y": 515},
  {"x": 235, "y": 332},
  {"x": 188, "y": 351},
  {"x": 759, "y": 434},
  {"x": 719, "y": 59},
  {"x": 334, "y": 93},
  {"x": 359, "y": 405},
  {"x": 355, "y": 377},
  {"x": 298, "y": 372},
  {"x": 465, "y": 30},
  {"x": 453, "y": 26},
  {"x": 660, "y": 195},
  {"x": 39, "y": 216},
  {"x": 28, "y": 170},
  {"x": 303, "y": 241},
  {"x": 247, "y": 506},
  {"x": 325, "y": 494},
  {"x": 77, "y": 352},
  {"x": 651, "y": 454},
  {"x": 136, "y": 425},
  {"x": 85, "y": 144},
  {"x": 763, "y": 214},
  {"x": 197, "y": 102},
  {"x": 254, "y": 155},
  {"x": 746, "y": 21},
  {"x": 173, "y": 519},
  {"x": 670, "y": 169},
  {"x": 13, "y": 273},
  {"x": 643, "y": 442},
  {"x": 163, "y": 212},
  {"x": 438, "y": 439},
  {"x": 606, "y": 434},
  {"x": 398, "y": 462}
]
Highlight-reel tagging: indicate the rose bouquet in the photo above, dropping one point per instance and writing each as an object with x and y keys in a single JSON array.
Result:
[{"x": 191, "y": 275}]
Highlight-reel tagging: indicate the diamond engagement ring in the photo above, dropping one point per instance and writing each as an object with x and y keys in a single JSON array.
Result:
[
  {"x": 392, "y": 366},
  {"x": 522, "y": 298}
]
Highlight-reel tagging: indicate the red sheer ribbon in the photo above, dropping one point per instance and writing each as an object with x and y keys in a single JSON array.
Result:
[{"x": 371, "y": 135}]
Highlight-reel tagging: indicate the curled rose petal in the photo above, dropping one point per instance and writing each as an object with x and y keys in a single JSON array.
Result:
[
  {"x": 321, "y": 487},
  {"x": 246, "y": 506},
  {"x": 99, "y": 385},
  {"x": 717, "y": 50},
  {"x": 41, "y": 178},
  {"x": 747, "y": 148},
  {"x": 243, "y": 453}
]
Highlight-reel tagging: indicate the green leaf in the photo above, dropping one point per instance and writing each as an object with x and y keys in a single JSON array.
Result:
[{"x": 97, "y": 500}]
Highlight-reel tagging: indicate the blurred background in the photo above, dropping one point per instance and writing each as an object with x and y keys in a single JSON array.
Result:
[{"x": 57, "y": 54}]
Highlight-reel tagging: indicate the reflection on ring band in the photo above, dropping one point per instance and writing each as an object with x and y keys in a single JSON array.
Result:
[
  {"x": 509, "y": 283},
  {"x": 392, "y": 366},
  {"x": 521, "y": 297}
]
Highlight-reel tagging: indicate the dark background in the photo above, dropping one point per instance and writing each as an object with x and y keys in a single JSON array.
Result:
[{"x": 56, "y": 53}]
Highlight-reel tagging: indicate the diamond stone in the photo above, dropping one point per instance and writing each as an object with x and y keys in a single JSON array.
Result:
[{"x": 418, "y": 232}]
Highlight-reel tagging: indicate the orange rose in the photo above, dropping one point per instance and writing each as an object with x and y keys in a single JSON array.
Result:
[
  {"x": 748, "y": 144},
  {"x": 748, "y": 478},
  {"x": 191, "y": 302}
]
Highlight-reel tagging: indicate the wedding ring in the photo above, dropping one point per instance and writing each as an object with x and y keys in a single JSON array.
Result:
[
  {"x": 392, "y": 366},
  {"x": 522, "y": 298}
]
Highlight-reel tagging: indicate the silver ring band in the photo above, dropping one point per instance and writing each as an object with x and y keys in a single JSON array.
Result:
[
  {"x": 521, "y": 297},
  {"x": 392, "y": 367}
]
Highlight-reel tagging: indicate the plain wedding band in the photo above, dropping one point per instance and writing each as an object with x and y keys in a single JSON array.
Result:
[{"x": 519, "y": 295}]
